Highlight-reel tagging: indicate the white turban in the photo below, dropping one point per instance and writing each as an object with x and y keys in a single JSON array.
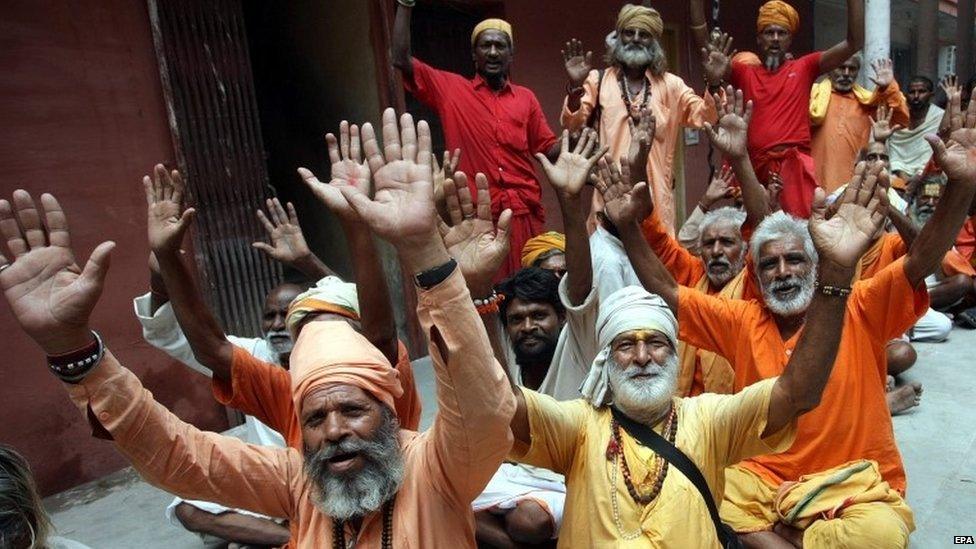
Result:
[
  {"x": 629, "y": 308},
  {"x": 329, "y": 295}
]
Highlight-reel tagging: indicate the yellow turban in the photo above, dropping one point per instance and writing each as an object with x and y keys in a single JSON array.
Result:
[
  {"x": 777, "y": 12},
  {"x": 492, "y": 24},
  {"x": 329, "y": 295},
  {"x": 640, "y": 17},
  {"x": 537, "y": 246}
]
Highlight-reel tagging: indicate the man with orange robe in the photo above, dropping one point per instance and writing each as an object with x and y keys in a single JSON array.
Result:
[{"x": 841, "y": 115}]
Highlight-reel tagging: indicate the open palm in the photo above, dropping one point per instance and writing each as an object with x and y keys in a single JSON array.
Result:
[
  {"x": 844, "y": 237},
  {"x": 472, "y": 239},
  {"x": 51, "y": 297},
  {"x": 957, "y": 155},
  {"x": 732, "y": 134},
  {"x": 167, "y": 220},
  {"x": 403, "y": 206},
  {"x": 287, "y": 241},
  {"x": 572, "y": 168},
  {"x": 348, "y": 170}
]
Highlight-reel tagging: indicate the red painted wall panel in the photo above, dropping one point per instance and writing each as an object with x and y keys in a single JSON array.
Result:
[{"x": 83, "y": 117}]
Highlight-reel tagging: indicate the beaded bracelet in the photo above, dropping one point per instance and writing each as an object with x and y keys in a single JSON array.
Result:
[
  {"x": 488, "y": 305},
  {"x": 836, "y": 291},
  {"x": 75, "y": 365}
]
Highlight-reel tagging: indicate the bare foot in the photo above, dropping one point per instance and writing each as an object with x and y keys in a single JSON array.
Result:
[
  {"x": 890, "y": 385},
  {"x": 905, "y": 397}
]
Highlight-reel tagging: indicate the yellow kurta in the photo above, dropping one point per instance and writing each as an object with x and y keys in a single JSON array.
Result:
[
  {"x": 675, "y": 106},
  {"x": 715, "y": 431}
]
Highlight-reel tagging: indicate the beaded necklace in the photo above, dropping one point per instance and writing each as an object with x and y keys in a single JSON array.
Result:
[
  {"x": 633, "y": 110},
  {"x": 615, "y": 453},
  {"x": 339, "y": 529}
]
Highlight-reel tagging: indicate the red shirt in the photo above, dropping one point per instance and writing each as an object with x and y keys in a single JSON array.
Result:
[
  {"x": 781, "y": 102},
  {"x": 497, "y": 132}
]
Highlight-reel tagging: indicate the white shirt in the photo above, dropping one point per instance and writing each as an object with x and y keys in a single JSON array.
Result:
[{"x": 611, "y": 266}]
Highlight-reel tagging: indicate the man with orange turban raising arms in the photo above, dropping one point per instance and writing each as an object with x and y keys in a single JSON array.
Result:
[
  {"x": 359, "y": 477},
  {"x": 780, "y": 88}
]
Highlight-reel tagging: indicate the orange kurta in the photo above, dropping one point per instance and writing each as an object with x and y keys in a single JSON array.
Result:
[
  {"x": 675, "y": 106},
  {"x": 845, "y": 130},
  {"x": 444, "y": 467},
  {"x": 263, "y": 390},
  {"x": 852, "y": 421},
  {"x": 966, "y": 241}
]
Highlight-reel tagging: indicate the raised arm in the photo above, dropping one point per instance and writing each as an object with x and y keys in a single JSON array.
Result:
[
  {"x": 853, "y": 42},
  {"x": 840, "y": 243},
  {"x": 568, "y": 176},
  {"x": 288, "y": 244},
  {"x": 52, "y": 299},
  {"x": 957, "y": 158},
  {"x": 470, "y": 435},
  {"x": 578, "y": 67},
  {"x": 699, "y": 25},
  {"x": 400, "y": 51},
  {"x": 626, "y": 206},
  {"x": 349, "y": 169},
  {"x": 168, "y": 222},
  {"x": 731, "y": 138},
  {"x": 479, "y": 249}
]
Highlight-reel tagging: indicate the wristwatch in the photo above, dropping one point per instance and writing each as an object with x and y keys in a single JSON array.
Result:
[{"x": 432, "y": 277}]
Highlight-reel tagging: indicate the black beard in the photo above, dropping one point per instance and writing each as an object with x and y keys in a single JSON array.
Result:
[{"x": 542, "y": 356}]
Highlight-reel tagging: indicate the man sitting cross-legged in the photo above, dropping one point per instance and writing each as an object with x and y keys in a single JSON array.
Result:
[
  {"x": 621, "y": 492},
  {"x": 361, "y": 478},
  {"x": 765, "y": 335}
]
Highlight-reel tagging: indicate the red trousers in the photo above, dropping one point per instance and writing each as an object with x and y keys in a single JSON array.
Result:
[{"x": 796, "y": 169}]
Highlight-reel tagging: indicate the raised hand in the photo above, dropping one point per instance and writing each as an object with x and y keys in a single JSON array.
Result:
[
  {"x": 348, "y": 170},
  {"x": 287, "y": 241},
  {"x": 720, "y": 188},
  {"x": 844, "y": 237},
  {"x": 472, "y": 239},
  {"x": 717, "y": 58},
  {"x": 402, "y": 210},
  {"x": 625, "y": 203},
  {"x": 773, "y": 189},
  {"x": 884, "y": 73},
  {"x": 732, "y": 135},
  {"x": 168, "y": 220},
  {"x": 641, "y": 139},
  {"x": 50, "y": 296},
  {"x": 578, "y": 64},
  {"x": 443, "y": 172},
  {"x": 881, "y": 128},
  {"x": 569, "y": 173},
  {"x": 957, "y": 155}
]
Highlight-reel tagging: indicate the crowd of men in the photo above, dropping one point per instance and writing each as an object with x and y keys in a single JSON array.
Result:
[{"x": 626, "y": 383}]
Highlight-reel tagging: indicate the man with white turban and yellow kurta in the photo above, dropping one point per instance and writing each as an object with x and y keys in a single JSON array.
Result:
[
  {"x": 636, "y": 78},
  {"x": 780, "y": 88}
]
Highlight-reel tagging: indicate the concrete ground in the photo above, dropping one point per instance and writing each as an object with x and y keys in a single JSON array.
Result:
[{"x": 937, "y": 441}]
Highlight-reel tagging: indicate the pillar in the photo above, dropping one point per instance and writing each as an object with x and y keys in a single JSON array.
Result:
[
  {"x": 928, "y": 38},
  {"x": 877, "y": 35},
  {"x": 964, "y": 39}
]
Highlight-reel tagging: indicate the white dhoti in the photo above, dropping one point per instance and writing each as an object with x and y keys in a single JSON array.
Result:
[
  {"x": 513, "y": 483},
  {"x": 933, "y": 327}
]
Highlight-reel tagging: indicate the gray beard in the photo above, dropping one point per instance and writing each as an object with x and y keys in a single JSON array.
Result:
[
  {"x": 279, "y": 347},
  {"x": 644, "y": 400},
  {"x": 795, "y": 305},
  {"x": 345, "y": 497},
  {"x": 633, "y": 56},
  {"x": 773, "y": 62},
  {"x": 733, "y": 269}
]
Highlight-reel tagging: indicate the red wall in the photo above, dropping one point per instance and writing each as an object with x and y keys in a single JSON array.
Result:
[
  {"x": 542, "y": 28},
  {"x": 83, "y": 117}
]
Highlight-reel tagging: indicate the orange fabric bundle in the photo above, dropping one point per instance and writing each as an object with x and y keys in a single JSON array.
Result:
[{"x": 333, "y": 353}]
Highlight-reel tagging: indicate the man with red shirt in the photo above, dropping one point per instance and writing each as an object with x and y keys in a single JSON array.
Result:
[
  {"x": 779, "y": 88},
  {"x": 498, "y": 125}
]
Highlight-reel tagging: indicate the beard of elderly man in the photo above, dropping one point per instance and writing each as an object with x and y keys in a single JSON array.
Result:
[{"x": 643, "y": 374}]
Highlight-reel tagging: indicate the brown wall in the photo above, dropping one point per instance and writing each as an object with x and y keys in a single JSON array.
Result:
[{"x": 83, "y": 117}]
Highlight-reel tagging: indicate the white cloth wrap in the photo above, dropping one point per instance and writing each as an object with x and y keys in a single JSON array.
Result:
[{"x": 629, "y": 308}]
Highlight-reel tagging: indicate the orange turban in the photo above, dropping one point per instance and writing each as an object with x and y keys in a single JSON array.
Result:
[
  {"x": 536, "y": 246},
  {"x": 777, "y": 12},
  {"x": 746, "y": 58},
  {"x": 640, "y": 17},
  {"x": 332, "y": 353},
  {"x": 492, "y": 24}
]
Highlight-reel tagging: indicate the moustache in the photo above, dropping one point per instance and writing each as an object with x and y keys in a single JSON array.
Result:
[{"x": 719, "y": 261}]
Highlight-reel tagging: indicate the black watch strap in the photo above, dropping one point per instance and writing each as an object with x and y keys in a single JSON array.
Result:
[{"x": 434, "y": 276}]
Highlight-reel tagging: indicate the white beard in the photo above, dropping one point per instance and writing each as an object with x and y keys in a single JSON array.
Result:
[
  {"x": 724, "y": 278},
  {"x": 797, "y": 304},
  {"x": 644, "y": 400}
]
